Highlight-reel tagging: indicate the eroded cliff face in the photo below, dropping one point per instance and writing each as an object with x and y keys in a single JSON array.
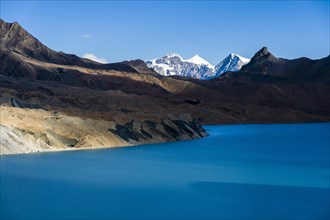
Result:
[{"x": 25, "y": 130}]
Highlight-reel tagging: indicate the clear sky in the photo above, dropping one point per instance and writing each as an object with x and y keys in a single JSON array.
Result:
[{"x": 124, "y": 30}]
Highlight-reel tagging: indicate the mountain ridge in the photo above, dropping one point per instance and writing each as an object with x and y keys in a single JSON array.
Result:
[
  {"x": 196, "y": 67},
  {"x": 263, "y": 62},
  {"x": 14, "y": 39}
]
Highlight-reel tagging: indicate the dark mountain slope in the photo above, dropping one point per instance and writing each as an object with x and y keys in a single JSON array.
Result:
[
  {"x": 271, "y": 83},
  {"x": 15, "y": 39},
  {"x": 263, "y": 62}
]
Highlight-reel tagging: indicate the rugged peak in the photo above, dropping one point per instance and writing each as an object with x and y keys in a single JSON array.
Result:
[
  {"x": 14, "y": 38},
  {"x": 263, "y": 50},
  {"x": 11, "y": 33},
  {"x": 16, "y": 24},
  {"x": 12, "y": 26},
  {"x": 233, "y": 62},
  {"x": 262, "y": 55},
  {"x": 260, "y": 62}
]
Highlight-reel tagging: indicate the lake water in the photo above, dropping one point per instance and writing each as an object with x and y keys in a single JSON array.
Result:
[{"x": 239, "y": 171}]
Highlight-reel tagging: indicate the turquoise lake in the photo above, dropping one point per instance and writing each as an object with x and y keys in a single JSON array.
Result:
[{"x": 237, "y": 172}]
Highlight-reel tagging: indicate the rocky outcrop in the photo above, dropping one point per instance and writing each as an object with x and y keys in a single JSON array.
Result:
[
  {"x": 171, "y": 130},
  {"x": 261, "y": 62}
]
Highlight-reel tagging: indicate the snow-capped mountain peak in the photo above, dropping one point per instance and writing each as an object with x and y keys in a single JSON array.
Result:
[
  {"x": 199, "y": 61},
  {"x": 196, "y": 66},
  {"x": 173, "y": 64},
  {"x": 233, "y": 62}
]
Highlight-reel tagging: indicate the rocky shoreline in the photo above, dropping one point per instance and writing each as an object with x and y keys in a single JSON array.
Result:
[{"x": 36, "y": 130}]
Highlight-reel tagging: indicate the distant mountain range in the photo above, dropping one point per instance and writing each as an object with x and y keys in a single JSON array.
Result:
[{"x": 196, "y": 67}]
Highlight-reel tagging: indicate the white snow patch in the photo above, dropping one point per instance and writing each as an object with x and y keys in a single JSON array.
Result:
[
  {"x": 199, "y": 61},
  {"x": 243, "y": 59}
]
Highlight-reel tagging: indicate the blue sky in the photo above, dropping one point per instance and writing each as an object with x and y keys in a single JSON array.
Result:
[{"x": 124, "y": 30}]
